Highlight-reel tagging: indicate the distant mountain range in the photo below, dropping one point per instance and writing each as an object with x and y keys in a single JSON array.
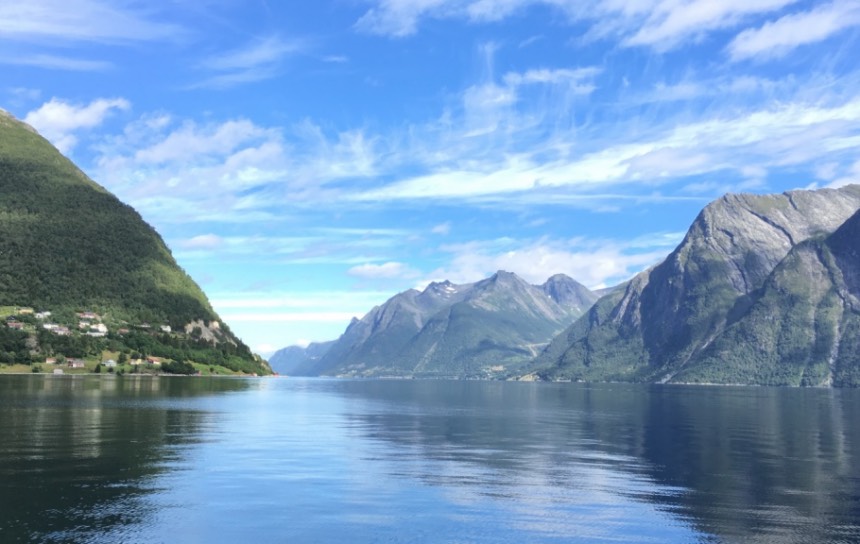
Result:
[
  {"x": 762, "y": 290},
  {"x": 299, "y": 360},
  {"x": 490, "y": 328}
]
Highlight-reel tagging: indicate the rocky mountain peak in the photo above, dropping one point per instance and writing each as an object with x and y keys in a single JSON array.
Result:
[
  {"x": 666, "y": 319},
  {"x": 568, "y": 292}
]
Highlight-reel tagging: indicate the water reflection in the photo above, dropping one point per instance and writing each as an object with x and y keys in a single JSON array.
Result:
[
  {"x": 740, "y": 464},
  {"x": 79, "y": 455},
  {"x": 199, "y": 460}
]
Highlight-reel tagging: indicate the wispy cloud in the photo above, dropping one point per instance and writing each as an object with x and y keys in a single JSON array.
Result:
[
  {"x": 59, "y": 121},
  {"x": 367, "y": 251},
  {"x": 596, "y": 263},
  {"x": 383, "y": 271},
  {"x": 202, "y": 242},
  {"x": 668, "y": 23},
  {"x": 190, "y": 172},
  {"x": 443, "y": 229},
  {"x": 659, "y": 24},
  {"x": 336, "y": 59},
  {"x": 47, "y": 34},
  {"x": 96, "y": 21},
  {"x": 57, "y": 62},
  {"x": 780, "y": 135},
  {"x": 779, "y": 37},
  {"x": 255, "y": 61},
  {"x": 497, "y": 143},
  {"x": 320, "y": 315}
]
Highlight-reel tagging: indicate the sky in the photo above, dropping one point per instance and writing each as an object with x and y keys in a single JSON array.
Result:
[{"x": 305, "y": 161}]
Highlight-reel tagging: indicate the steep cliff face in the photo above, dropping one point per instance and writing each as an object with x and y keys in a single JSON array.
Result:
[
  {"x": 483, "y": 329},
  {"x": 668, "y": 315},
  {"x": 801, "y": 327}
]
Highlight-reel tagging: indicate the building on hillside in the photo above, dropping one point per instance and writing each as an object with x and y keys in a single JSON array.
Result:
[
  {"x": 97, "y": 330},
  {"x": 89, "y": 315},
  {"x": 62, "y": 331},
  {"x": 165, "y": 328},
  {"x": 110, "y": 363},
  {"x": 17, "y": 325},
  {"x": 50, "y": 360},
  {"x": 75, "y": 363},
  {"x": 43, "y": 315},
  {"x": 25, "y": 310},
  {"x": 154, "y": 360}
]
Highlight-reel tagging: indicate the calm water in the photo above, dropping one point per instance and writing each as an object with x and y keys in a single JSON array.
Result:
[{"x": 145, "y": 460}]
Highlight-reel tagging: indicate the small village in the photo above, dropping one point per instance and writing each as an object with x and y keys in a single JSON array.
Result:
[{"x": 114, "y": 357}]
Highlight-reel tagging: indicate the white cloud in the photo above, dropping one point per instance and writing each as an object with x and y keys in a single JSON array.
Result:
[
  {"x": 660, "y": 24},
  {"x": 594, "y": 263},
  {"x": 850, "y": 176},
  {"x": 187, "y": 172},
  {"x": 203, "y": 241},
  {"x": 283, "y": 317},
  {"x": 389, "y": 270},
  {"x": 192, "y": 141},
  {"x": 397, "y": 17},
  {"x": 266, "y": 350},
  {"x": 443, "y": 228},
  {"x": 24, "y": 95},
  {"x": 50, "y": 21},
  {"x": 58, "y": 121},
  {"x": 721, "y": 87},
  {"x": 256, "y": 53},
  {"x": 670, "y": 22},
  {"x": 557, "y": 76},
  {"x": 777, "y": 38},
  {"x": 783, "y": 134}
]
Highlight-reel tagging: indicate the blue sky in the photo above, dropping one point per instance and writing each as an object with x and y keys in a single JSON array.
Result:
[{"x": 307, "y": 160}]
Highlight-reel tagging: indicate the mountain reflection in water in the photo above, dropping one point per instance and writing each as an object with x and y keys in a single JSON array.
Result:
[{"x": 107, "y": 459}]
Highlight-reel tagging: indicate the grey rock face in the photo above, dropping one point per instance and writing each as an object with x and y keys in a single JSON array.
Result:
[
  {"x": 667, "y": 315},
  {"x": 481, "y": 329},
  {"x": 297, "y": 360}
]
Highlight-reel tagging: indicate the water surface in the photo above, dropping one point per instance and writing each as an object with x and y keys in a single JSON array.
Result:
[{"x": 149, "y": 459}]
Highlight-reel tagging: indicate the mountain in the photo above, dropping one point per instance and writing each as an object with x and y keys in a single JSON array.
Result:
[
  {"x": 802, "y": 327},
  {"x": 298, "y": 360},
  {"x": 67, "y": 245},
  {"x": 745, "y": 262},
  {"x": 488, "y": 328}
]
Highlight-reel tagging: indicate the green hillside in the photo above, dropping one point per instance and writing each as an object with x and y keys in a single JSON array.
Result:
[{"x": 67, "y": 245}]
